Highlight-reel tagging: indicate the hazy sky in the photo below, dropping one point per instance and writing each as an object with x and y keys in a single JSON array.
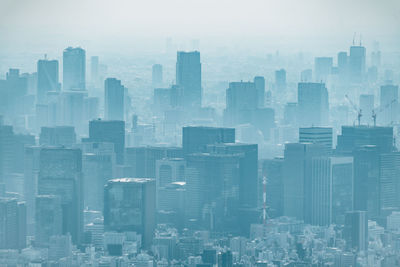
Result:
[{"x": 118, "y": 22}]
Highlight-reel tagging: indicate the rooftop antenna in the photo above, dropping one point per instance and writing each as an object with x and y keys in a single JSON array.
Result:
[{"x": 354, "y": 37}]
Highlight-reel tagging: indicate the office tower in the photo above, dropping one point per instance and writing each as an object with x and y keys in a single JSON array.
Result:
[
  {"x": 367, "y": 106},
  {"x": 331, "y": 189},
  {"x": 353, "y": 137},
  {"x": 356, "y": 230},
  {"x": 109, "y": 131},
  {"x": 225, "y": 259},
  {"x": 188, "y": 76},
  {"x": 12, "y": 224},
  {"x": 241, "y": 102},
  {"x": 157, "y": 75},
  {"x": 357, "y": 64},
  {"x": 272, "y": 170},
  {"x": 317, "y": 135},
  {"x": 74, "y": 69},
  {"x": 72, "y": 109},
  {"x": 61, "y": 175},
  {"x": 290, "y": 113},
  {"x": 389, "y": 104},
  {"x": 169, "y": 170},
  {"x": 31, "y": 169},
  {"x": 342, "y": 64},
  {"x": 12, "y": 91},
  {"x": 196, "y": 139},
  {"x": 48, "y": 219},
  {"x": 389, "y": 173},
  {"x": 130, "y": 205},
  {"x": 297, "y": 179},
  {"x": 280, "y": 80},
  {"x": 47, "y": 78},
  {"x": 313, "y": 104},
  {"x": 57, "y": 136},
  {"x": 91, "y": 108},
  {"x": 98, "y": 166},
  {"x": 212, "y": 190},
  {"x": 259, "y": 83},
  {"x": 367, "y": 180},
  {"x": 323, "y": 68},
  {"x": 94, "y": 70},
  {"x": 142, "y": 160},
  {"x": 12, "y": 151},
  {"x": 306, "y": 76},
  {"x": 113, "y": 99}
]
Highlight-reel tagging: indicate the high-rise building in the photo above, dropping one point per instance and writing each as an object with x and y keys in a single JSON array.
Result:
[
  {"x": 49, "y": 219},
  {"x": 157, "y": 75},
  {"x": 109, "y": 131},
  {"x": 313, "y": 104},
  {"x": 323, "y": 68},
  {"x": 297, "y": 179},
  {"x": 356, "y": 230},
  {"x": 280, "y": 80},
  {"x": 306, "y": 75},
  {"x": 367, "y": 180},
  {"x": 331, "y": 189},
  {"x": 57, "y": 136},
  {"x": 113, "y": 99},
  {"x": 241, "y": 102},
  {"x": 12, "y": 224},
  {"x": 389, "y": 104},
  {"x": 356, "y": 64},
  {"x": 47, "y": 78},
  {"x": 196, "y": 139},
  {"x": 259, "y": 83},
  {"x": 142, "y": 160},
  {"x": 61, "y": 175},
  {"x": 74, "y": 69},
  {"x": 353, "y": 137},
  {"x": 188, "y": 76},
  {"x": 130, "y": 205},
  {"x": 98, "y": 166},
  {"x": 317, "y": 135}
]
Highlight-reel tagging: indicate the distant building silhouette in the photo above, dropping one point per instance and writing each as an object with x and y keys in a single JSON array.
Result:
[
  {"x": 313, "y": 104},
  {"x": 188, "y": 76},
  {"x": 47, "y": 79},
  {"x": 113, "y": 99},
  {"x": 74, "y": 69}
]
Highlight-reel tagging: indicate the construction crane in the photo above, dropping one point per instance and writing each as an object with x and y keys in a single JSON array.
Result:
[
  {"x": 380, "y": 109},
  {"x": 359, "y": 111}
]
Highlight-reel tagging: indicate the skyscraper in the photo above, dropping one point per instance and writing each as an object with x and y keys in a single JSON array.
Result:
[
  {"x": 94, "y": 70},
  {"x": 61, "y": 175},
  {"x": 241, "y": 102},
  {"x": 130, "y": 205},
  {"x": 109, "y": 131},
  {"x": 313, "y": 104},
  {"x": 259, "y": 82},
  {"x": 74, "y": 69},
  {"x": 357, "y": 64},
  {"x": 47, "y": 79},
  {"x": 342, "y": 64},
  {"x": 57, "y": 136},
  {"x": 331, "y": 189},
  {"x": 113, "y": 99},
  {"x": 317, "y": 135},
  {"x": 12, "y": 224},
  {"x": 196, "y": 139},
  {"x": 188, "y": 76},
  {"x": 49, "y": 219},
  {"x": 280, "y": 80},
  {"x": 157, "y": 75},
  {"x": 356, "y": 230}
]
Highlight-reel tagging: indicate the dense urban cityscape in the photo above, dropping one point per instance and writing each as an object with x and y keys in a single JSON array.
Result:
[{"x": 185, "y": 158}]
